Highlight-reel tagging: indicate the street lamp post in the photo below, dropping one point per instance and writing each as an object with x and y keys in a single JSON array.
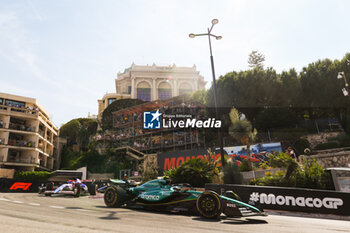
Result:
[
  {"x": 192, "y": 35},
  {"x": 341, "y": 75}
]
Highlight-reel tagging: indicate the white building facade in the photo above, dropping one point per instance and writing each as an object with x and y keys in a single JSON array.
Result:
[{"x": 153, "y": 82}]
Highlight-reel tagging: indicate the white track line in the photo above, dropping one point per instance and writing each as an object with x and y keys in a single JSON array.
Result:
[
  {"x": 57, "y": 207},
  {"x": 35, "y": 204},
  {"x": 19, "y": 202},
  {"x": 4, "y": 199}
]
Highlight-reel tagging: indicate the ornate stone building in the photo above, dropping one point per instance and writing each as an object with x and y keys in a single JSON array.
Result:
[{"x": 153, "y": 82}]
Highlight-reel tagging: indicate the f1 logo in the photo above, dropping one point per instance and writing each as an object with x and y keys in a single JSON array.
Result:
[
  {"x": 20, "y": 185},
  {"x": 151, "y": 120}
]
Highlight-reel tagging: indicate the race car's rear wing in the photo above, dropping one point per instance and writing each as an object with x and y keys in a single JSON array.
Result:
[{"x": 64, "y": 175}]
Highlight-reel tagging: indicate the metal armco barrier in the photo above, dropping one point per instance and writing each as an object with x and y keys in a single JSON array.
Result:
[
  {"x": 290, "y": 199},
  {"x": 19, "y": 186}
]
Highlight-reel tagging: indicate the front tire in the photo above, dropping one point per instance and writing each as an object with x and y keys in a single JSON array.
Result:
[
  {"x": 209, "y": 205},
  {"x": 76, "y": 190},
  {"x": 115, "y": 196}
]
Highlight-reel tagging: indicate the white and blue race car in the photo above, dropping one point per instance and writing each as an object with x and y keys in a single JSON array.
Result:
[{"x": 72, "y": 187}]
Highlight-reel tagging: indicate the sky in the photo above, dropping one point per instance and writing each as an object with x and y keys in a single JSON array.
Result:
[{"x": 66, "y": 54}]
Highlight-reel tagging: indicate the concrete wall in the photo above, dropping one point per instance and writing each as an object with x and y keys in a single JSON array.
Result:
[
  {"x": 316, "y": 139},
  {"x": 100, "y": 176},
  {"x": 331, "y": 159}
]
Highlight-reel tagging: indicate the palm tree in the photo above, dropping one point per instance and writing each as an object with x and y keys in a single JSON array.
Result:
[{"x": 242, "y": 131}]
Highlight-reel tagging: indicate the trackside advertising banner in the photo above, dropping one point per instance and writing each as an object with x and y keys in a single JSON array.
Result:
[
  {"x": 259, "y": 152},
  {"x": 290, "y": 199},
  {"x": 19, "y": 186},
  {"x": 174, "y": 159}
]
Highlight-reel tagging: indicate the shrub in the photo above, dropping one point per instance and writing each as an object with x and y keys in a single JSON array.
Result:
[
  {"x": 342, "y": 139},
  {"x": 244, "y": 166},
  {"x": 327, "y": 145},
  {"x": 195, "y": 171},
  {"x": 283, "y": 160},
  {"x": 280, "y": 160},
  {"x": 309, "y": 174},
  {"x": 264, "y": 165},
  {"x": 32, "y": 175},
  {"x": 232, "y": 174},
  {"x": 300, "y": 145},
  {"x": 270, "y": 180}
]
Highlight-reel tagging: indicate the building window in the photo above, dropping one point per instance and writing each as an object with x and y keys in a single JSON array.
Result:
[
  {"x": 183, "y": 91},
  {"x": 164, "y": 93},
  {"x": 14, "y": 103},
  {"x": 1, "y": 101},
  {"x": 129, "y": 89},
  {"x": 144, "y": 94},
  {"x": 111, "y": 100}
]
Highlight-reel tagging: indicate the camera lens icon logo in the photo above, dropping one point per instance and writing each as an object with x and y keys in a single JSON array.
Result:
[{"x": 151, "y": 120}]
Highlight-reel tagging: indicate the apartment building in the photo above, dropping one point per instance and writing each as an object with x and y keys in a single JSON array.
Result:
[
  {"x": 28, "y": 138},
  {"x": 150, "y": 83}
]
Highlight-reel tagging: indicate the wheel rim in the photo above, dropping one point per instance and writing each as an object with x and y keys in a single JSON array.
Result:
[
  {"x": 110, "y": 196},
  {"x": 208, "y": 204}
]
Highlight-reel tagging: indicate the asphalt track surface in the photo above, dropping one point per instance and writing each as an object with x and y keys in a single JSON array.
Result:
[{"x": 31, "y": 212}]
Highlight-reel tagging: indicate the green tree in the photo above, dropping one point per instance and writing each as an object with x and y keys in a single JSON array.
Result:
[
  {"x": 290, "y": 89},
  {"x": 242, "y": 131},
  {"x": 79, "y": 131},
  {"x": 272, "y": 118},
  {"x": 248, "y": 91},
  {"x": 70, "y": 131},
  {"x": 200, "y": 96},
  {"x": 320, "y": 89}
]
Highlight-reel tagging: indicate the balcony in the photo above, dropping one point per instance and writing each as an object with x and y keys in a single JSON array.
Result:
[
  {"x": 21, "y": 127},
  {"x": 20, "y": 110},
  {"x": 21, "y": 160},
  {"x": 21, "y": 143}
]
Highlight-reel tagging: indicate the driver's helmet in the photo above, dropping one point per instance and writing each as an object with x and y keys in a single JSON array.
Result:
[{"x": 167, "y": 179}]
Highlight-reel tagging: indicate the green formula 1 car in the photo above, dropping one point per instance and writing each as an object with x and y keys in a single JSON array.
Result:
[{"x": 161, "y": 195}]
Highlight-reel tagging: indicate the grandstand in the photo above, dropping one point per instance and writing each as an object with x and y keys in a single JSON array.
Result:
[{"x": 128, "y": 130}]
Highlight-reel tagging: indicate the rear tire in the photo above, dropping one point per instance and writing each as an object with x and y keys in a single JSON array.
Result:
[
  {"x": 92, "y": 189},
  {"x": 209, "y": 205},
  {"x": 76, "y": 190},
  {"x": 115, "y": 196}
]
